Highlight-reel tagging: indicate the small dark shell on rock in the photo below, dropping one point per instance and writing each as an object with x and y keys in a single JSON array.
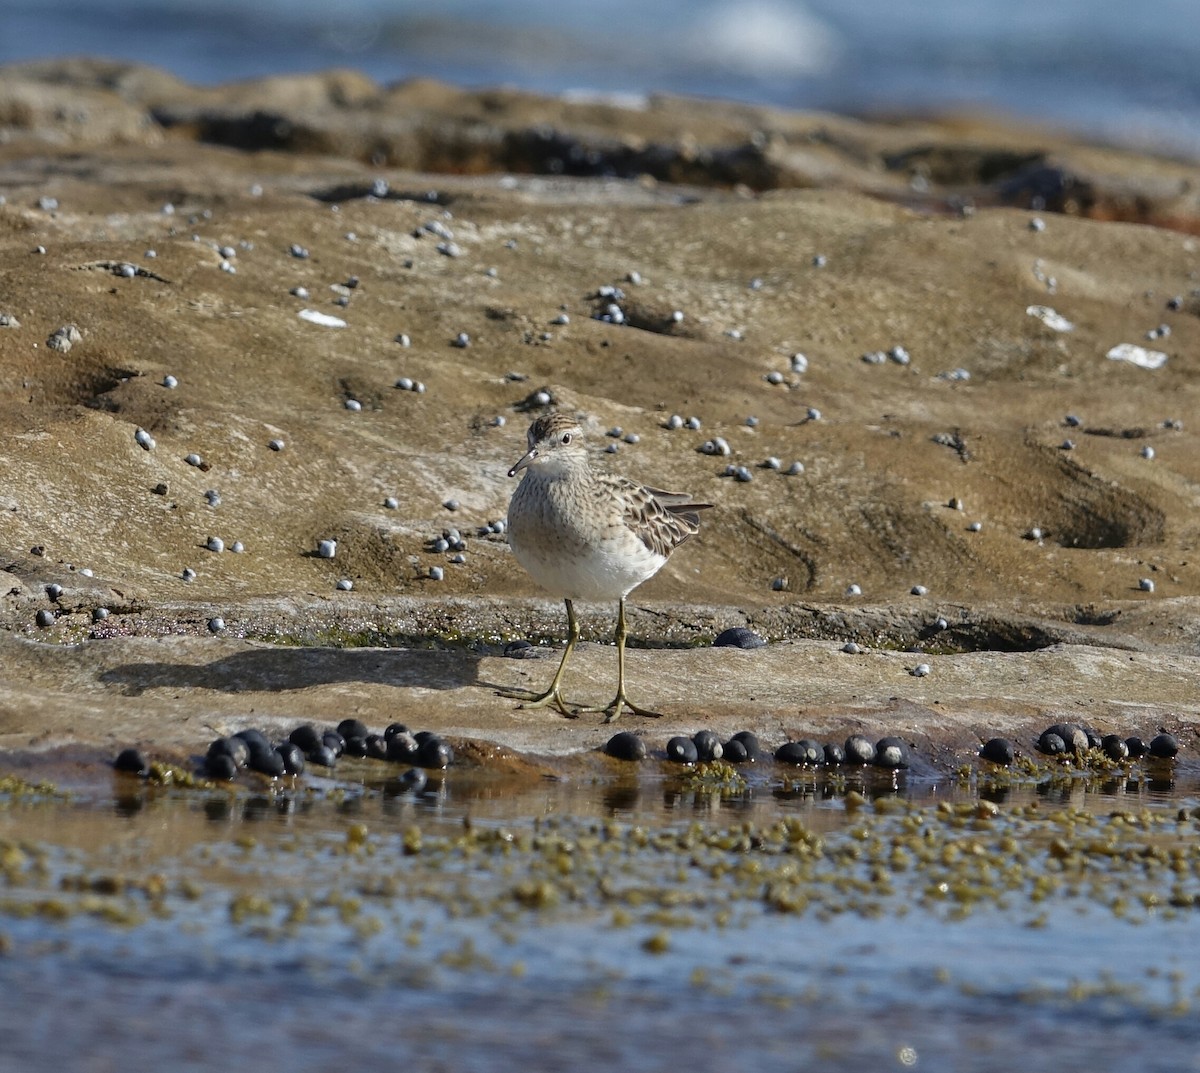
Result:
[
  {"x": 250, "y": 735},
  {"x": 738, "y": 637},
  {"x": 402, "y": 748},
  {"x": 234, "y": 747},
  {"x": 735, "y": 752},
  {"x": 708, "y": 745},
  {"x": 891, "y": 753},
  {"x": 413, "y": 781},
  {"x": 220, "y": 766},
  {"x": 806, "y": 751},
  {"x": 749, "y": 739},
  {"x": 356, "y": 746},
  {"x": 859, "y": 750},
  {"x": 626, "y": 746},
  {"x": 1094, "y": 737},
  {"x": 1075, "y": 738},
  {"x": 131, "y": 760},
  {"x": 1114, "y": 747},
  {"x": 323, "y": 756},
  {"x": 266, "y": 761},
  {"x": 353, "y": 728},
  {"x": 519, "y": 650},
  {"x": 682, "y": 750},
  {"x": 834, "y": 754},
  {"x": 392, "y": 729},
  {"x": 1164, "y": 746},
  {"x": 1137, "y": 748},
  {"x": 434, "y": 753},
  {"x": 423, "y": 736},
  {"x": 377, "y": 747},
  {"x": 998, "y": 751},
  {"x": 292, "y": 756},
  {"x": 332, "y": 740},
  {"x": 306, "y": 736},
  {"x": 1051, "y": 744}
]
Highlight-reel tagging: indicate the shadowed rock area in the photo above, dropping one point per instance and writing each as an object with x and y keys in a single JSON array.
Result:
[{"x": 163, "y": 381}]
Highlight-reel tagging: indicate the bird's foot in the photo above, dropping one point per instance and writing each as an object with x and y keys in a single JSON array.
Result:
[
  {"x": 552, "y": 698},
  {"x": 612, "y": 711}
]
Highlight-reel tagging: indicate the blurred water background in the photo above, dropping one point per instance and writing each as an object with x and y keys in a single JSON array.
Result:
[{"x": 1126, "y": 71}]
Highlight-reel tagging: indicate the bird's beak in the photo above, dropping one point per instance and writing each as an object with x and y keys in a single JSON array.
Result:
[{"x": 526, "y": 458}]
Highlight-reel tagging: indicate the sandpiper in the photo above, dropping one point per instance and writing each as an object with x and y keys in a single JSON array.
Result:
[{"x": 587, "y": 535}]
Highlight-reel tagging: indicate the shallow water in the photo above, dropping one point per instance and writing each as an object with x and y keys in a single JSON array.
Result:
[{"x": 614, "y": 917}]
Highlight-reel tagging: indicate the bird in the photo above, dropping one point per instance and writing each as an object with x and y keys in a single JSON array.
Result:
[{"x": 584, "y": 534}]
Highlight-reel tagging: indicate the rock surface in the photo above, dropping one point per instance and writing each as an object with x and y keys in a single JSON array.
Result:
[{"x": 423, "y": 211}]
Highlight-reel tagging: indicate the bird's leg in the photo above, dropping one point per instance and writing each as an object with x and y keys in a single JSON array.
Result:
[
  {"x": 613, "y": 710},
  {"x": 552, "y": 697}
]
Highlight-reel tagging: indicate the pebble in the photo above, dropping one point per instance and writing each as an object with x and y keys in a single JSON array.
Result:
[
  {"x": 738, "y": 637},
  {"x": 626, "y": 746},
  {"x": 892, "y": 753},
  {"x": 708, "y": 745},
  {"x": 1164, "y": 746},
  {"x": 998, "y": 751},
  {"x": 132, "y": 761},
  {"x": 682, "y": 750}
]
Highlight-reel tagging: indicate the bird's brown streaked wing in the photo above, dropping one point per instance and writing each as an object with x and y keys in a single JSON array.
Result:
[{"x": 662, "y": 520}]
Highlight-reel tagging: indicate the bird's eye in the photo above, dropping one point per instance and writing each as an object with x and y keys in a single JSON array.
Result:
[{"x": 565, "y": 439}]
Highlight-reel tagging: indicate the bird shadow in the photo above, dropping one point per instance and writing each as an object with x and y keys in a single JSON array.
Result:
[{"x": 284, "y": 670}]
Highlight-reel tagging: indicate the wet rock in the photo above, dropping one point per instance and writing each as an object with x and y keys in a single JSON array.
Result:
[
  {"x": 626, "y": 746},
  {"x": 682, "y": 750},
  {"x": 998, "y": 751},
  {"x": 738, "y": 637}
]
